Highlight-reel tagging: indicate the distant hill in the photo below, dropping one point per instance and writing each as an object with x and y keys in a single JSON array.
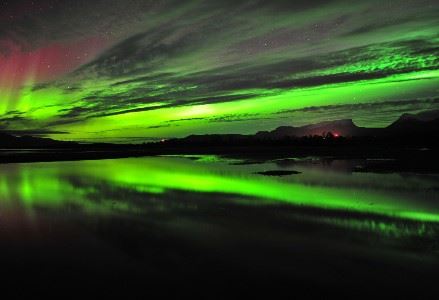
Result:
[
  {"x": 345, "y": 128},
  {"x": 429, "y": 115},
  {"x": 8, "y": 141},
  {"x": 412, "y": 125},
  {"x": 421, "y": 128}
]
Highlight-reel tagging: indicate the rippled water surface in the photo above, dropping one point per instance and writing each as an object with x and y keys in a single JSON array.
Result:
[{"x": 193, "y": 216}]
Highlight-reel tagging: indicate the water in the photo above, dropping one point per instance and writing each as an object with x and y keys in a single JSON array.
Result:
[{"x": 177, "y": 219}]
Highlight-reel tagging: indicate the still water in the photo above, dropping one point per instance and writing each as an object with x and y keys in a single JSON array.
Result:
[{"x": 195, "y": 216}]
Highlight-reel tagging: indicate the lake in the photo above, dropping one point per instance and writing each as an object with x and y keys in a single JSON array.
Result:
[{"x": 167, "y": 220}]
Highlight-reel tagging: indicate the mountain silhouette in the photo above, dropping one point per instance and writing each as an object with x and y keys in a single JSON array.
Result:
[
  {"x": 414, "y": 126},
  {"x": 429, "y": 115},
  {"x": 410, "y": 128},
  {"x": 8, "y": 141},
  {"x": 422, "y": 124},
  {"x": 344, "y": 127}
]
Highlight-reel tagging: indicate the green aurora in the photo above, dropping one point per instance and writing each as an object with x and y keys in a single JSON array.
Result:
[{"x": 171, "y": 69}]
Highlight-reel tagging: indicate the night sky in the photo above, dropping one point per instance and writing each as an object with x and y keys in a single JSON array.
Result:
[{"x": 135, "y": 70}]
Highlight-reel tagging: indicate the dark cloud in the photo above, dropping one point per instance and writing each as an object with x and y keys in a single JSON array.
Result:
[
  {"x": 228, "y": 83},
  {"x": 33, "y": 132},
  {"x": 363, "y": 106},
  {"x": 18, "y": 119},
  {"x": 159, "y": 126},
  {"x": 184, "y": 120},
  {"x": 30, "y": 24},
  {"x": 237, "y": 118}
]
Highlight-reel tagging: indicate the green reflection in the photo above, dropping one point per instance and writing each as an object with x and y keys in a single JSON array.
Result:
[
  {"x": 179, "y": 174},
  {"x": 126, "y": 185}
]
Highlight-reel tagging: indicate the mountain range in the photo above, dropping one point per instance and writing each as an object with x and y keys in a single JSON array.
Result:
[
  {"x": 426, "y": 123},
  {"x": 410, "y": 126},
  {"x": 413, "y": 127},
  {"x": 8, "y": 141}
]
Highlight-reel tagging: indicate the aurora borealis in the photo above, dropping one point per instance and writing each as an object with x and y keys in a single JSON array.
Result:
[{"x": 135, "y": 70}]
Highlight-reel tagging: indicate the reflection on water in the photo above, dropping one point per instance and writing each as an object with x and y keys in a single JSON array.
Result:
[
  {"x": 108, "y": 186},
  {"x": 215, "y": 201}
]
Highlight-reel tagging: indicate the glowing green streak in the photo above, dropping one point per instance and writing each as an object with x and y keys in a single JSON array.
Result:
[
  {"x": 48, "y": 185},
  {"x": 172, "y": 174}
]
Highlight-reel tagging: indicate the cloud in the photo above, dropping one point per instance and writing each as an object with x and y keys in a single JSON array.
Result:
[
  {"x": 34, "y": 132},
  {"x": 172, "y": 54},
  {"x": 38, "y": 23},
  {"x": 361, "y": 106},
  {"x": 234, "y": 82}
]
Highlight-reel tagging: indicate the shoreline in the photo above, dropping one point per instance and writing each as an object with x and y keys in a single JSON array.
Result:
[{"x": 380, "y": 159}]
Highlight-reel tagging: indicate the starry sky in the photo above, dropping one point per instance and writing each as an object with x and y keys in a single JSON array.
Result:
[{"x": 140, "y": 70}]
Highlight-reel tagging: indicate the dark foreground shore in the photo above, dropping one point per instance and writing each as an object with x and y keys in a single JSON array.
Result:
[{"x": 381, "y": 159}]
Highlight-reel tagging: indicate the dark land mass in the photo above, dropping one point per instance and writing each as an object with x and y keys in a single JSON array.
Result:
[
  {"x": 407, "y": 131},
  {"x": 412, "y": 142}
]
